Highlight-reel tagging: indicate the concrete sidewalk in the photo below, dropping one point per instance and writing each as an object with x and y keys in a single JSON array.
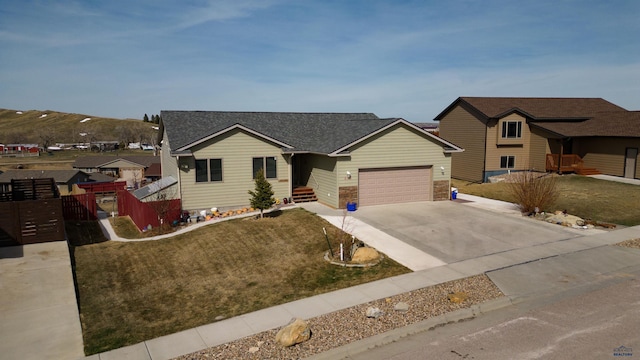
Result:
[
  {"x": 593, "y": 247},
  {"x": 38, "y": 310}
]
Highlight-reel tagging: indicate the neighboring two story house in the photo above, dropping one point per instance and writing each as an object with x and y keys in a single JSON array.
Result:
[
  {"x": 338, "y": 157},
  {"x": 582, "y": 135}
]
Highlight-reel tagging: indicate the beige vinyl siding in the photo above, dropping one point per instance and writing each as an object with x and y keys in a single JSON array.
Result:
[
  {"x": 169, "y": 164},
  {"x": 606, "y": 154},
  {"x": 236, "y": 149},
  {"x": 538, "y": 151},
  {"x": 495, "y": 152},
  {"x": 322, "y": 178},
  {"x": 465, "y": 130},
  {"x": 399, "y": 146}
]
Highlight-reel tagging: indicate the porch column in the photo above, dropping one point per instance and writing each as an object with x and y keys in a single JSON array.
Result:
[{"x": 560, "y": 156}]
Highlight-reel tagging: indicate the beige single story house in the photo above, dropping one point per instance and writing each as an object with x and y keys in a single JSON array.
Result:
[
  {"x": 502, "y": 134},
  {"x": 135, "y": 170},
  {"x": 334, "y": 158}
]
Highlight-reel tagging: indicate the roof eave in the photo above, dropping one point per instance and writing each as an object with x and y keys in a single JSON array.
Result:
[
  {"x": 451, "y": 151},
  {"x": 182, "y": 153}
]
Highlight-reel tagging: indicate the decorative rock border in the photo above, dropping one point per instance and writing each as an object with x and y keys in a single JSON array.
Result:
[{"x": 351, "y": 265}]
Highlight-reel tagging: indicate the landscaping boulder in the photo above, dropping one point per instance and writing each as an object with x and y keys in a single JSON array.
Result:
[
  {"x": 401, "y": 306},
  {"x": 295, "y": 332},
  {"x": 365, "y": 255},
  {"x": 373, "y": 312}
]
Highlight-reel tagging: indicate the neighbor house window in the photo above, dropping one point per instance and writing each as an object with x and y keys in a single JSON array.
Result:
[
  {"x": 266, "y": 163},
  {"x": 512, "y": 129},
  {"x": 208, "y": 170},
  {"x": 507, "y": 162}
]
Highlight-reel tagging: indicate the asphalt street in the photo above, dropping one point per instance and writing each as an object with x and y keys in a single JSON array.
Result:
[{"x": 588, "y": 318}]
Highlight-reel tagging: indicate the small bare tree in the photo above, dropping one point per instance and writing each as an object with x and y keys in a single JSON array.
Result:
[
  {"x": 343, "y": 236},
  {"x": 533, "y": 192},
  {"x": 47, "y": 137},
  {"x": 164, "y": 205}
]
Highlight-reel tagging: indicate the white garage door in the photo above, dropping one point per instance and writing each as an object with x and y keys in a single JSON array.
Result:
[{"x": 394, "y": 185}]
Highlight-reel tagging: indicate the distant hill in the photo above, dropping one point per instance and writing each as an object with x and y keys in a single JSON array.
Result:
[{"x": 51, "y": 127}]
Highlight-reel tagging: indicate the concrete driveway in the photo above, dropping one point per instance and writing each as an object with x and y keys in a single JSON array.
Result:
[{"x": 453, "y": 231}]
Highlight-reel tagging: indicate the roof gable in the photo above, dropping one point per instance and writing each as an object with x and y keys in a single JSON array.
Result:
[
  {"x": 95, "y": 161},
  {"x": 121, "y": 163},
  {"x": 231, "y": 128},
  {"x": 448, "y": 147}
]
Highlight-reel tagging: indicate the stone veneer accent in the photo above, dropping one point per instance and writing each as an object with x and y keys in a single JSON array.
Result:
[
  {"x": 347, "y": 194},
  {"x": 441, "y": 190}
]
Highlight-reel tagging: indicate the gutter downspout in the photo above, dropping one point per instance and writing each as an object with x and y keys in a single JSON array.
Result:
[
  {"x": 484, "y": 155},
  {"x": 179, "y": 179}
]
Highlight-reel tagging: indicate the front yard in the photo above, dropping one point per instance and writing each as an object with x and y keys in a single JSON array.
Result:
[
  {"x": 131, "y": 292},
  {"x": 588, "y": 198}
]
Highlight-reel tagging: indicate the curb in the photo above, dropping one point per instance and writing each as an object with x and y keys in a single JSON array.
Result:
[{"x": 394, "y": 335}]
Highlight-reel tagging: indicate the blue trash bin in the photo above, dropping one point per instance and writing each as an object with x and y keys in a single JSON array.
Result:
[
  {"x": 351, "y": 206},
  {"x": 454, "y": 193}
]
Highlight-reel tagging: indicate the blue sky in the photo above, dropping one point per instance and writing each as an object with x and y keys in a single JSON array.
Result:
[{"x": 395, "y": 58}]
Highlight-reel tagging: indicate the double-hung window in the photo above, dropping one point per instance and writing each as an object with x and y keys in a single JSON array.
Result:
[
  {"x": 507, "y": 162},
  {"x": 208, "y": 170},
  {"x": 512, "y": 129},
  {"x": 268, "y": 164}
]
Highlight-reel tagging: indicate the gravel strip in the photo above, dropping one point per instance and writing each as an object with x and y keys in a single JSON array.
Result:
[
  {"x": 633, "y": 243},
  {"x": 348, "y": 325}
]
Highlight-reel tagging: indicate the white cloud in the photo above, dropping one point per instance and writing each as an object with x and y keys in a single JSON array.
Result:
[{"x": 219, "y": 10}]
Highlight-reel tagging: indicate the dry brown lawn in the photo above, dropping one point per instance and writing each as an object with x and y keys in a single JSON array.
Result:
[
  {"x": 589, "y": 198},
  {"x": 134, "y": 291}
]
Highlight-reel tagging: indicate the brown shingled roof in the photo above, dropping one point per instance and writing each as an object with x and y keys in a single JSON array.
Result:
[
  {"x": 542, "y": 108},
  {"x": 154, "y": 170},
  {"x": 571, "y": 117},
  {"x": 616, "y": 123}
]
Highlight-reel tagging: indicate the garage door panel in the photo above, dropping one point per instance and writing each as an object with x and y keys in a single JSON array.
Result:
[{"x": 394, "y": 185}]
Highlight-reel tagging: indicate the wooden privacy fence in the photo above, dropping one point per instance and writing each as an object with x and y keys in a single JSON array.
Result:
[
  {"x": 34, "y": 215},
  {"x": 103, "y": 187},
  {"x": 148, "y": 213},
  {"x": 80, "y": 207}
]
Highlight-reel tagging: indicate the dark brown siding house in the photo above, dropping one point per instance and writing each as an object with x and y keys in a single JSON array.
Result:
[
  {"x": 64, "y": 179},
  {"x": 580, "y": 135}
]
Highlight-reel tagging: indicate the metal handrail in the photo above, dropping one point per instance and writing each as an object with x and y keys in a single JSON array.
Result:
[{"x": 317, "y": 183}]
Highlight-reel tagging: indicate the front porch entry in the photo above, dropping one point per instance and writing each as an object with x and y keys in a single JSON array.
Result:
[
  {"x": 561, "y": 159},
  {"x": 302, "y": 178},
  {"x": 568, "y": 163}
]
